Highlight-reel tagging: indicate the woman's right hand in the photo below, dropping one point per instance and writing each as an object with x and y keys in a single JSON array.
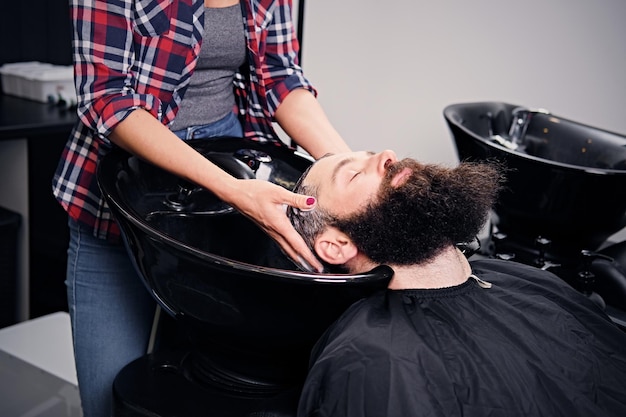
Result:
[
  {"x": 265, "y": 203},
  {"x": 262, "y": 201}
]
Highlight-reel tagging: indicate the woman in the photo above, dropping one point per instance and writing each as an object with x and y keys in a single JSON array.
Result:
[{"x": 148, "y": 74}]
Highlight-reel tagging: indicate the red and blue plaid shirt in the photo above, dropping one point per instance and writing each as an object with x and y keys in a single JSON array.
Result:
[{"x": 132, "y": 54}]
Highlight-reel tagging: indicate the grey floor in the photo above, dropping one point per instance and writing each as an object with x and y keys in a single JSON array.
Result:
[{"x": 29, "y": 391}]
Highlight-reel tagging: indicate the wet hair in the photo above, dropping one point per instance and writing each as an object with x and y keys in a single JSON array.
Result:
[{"x": 309, "y": 223}]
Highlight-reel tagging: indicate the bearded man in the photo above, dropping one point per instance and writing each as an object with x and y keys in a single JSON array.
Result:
[{"x": 449, "y": 337}]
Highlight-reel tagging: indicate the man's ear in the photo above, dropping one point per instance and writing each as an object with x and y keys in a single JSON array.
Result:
[{"x": 335, "y": 247}]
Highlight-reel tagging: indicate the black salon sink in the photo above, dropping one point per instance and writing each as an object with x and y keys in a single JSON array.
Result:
[
  {"x": 251, "y": 316},
  {"x": 566, "y": 180}
]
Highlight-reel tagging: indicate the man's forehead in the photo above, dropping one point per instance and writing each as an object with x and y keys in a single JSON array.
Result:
[
  {"x": 327, "y": 179},
  {"x": 320, "y": 171},
  {"x": 326, "y": 168}
]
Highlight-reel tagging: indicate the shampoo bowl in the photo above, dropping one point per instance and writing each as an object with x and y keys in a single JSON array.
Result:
[
  {"x": 251, "y": 316},
  {"x": 566, "y": 180}
]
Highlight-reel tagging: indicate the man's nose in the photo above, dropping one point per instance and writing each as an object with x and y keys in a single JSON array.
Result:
[{"x": 384, "y": 159}]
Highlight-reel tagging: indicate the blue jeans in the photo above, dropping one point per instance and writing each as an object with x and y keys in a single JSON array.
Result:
[
  {"x": 110, "y": 308},
  {"x": 227, "y": 126},
  {"x": 111, "y": 313}
]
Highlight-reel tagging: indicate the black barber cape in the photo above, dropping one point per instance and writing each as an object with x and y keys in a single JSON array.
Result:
[{"x": 528, "y": 346}]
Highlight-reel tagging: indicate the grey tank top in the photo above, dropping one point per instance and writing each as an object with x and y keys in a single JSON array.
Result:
[{"x": 210, "y": 94}]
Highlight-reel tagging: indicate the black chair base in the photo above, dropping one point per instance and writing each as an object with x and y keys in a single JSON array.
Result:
[{"x": 159, "y": 385}]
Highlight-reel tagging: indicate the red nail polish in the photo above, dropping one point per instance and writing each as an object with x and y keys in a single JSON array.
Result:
[{"x": 310, "y": 201}]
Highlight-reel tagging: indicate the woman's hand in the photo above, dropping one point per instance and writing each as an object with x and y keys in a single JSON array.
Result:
[
  {"x": 265, "y": 203},
  {"x": 262, "y": 201}
]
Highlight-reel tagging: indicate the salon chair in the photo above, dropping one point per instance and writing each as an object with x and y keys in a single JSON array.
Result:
[
  {"x": 564, "y": 197},
  {"x": 248, "y": 316}
]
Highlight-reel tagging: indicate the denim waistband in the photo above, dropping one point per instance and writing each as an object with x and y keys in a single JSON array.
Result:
[{"x": 226, "y": 126}]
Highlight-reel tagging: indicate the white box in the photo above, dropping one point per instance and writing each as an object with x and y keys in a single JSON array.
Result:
[
  {"x": 13, "y": 82},
  {"x": 39, "y": 81}
]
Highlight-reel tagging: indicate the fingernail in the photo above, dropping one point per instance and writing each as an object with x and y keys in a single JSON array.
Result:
[
  {"x": 305, "y": 265},
  {"x": 310, "y": 201}
]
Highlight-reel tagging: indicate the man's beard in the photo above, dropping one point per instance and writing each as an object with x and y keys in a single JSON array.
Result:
[{"x": 435, "y": 208}]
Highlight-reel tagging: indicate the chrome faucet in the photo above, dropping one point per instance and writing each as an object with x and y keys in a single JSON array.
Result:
[{"x": 519, "y": 124}]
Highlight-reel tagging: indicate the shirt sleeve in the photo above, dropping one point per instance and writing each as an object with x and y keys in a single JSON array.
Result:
[
  {"x": 103, "y": 52},
  {"x": 279, "y": 51}
]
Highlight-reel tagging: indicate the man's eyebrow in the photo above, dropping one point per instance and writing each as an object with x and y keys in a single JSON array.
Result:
[
  {"x": 343, "y": 163},
  {"x": 340, "y": 165}
]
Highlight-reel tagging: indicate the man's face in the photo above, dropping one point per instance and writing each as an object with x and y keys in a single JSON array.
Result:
[
  {"x": 348, "y": 181},
  {"x": 399, "y": 212}
]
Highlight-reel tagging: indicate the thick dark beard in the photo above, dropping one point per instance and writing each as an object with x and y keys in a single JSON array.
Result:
[{"x": 435, "y": 208}]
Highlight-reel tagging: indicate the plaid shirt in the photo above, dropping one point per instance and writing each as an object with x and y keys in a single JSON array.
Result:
[{"x": 132, "y": 54}]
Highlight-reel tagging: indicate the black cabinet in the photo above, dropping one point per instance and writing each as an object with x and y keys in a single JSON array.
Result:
[
  {"x": 48, "y": 231},
  {"x": 45, "y": 129},
  {"x": 10, "y": 222},
  {"x": 39, "y": 30}
]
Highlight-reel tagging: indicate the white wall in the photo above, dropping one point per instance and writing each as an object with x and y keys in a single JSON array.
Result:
[{"x": 385, "y": 70}]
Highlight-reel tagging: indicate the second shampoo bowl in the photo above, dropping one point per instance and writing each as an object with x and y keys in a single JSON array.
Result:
[{"x": 566, "y": 180}]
